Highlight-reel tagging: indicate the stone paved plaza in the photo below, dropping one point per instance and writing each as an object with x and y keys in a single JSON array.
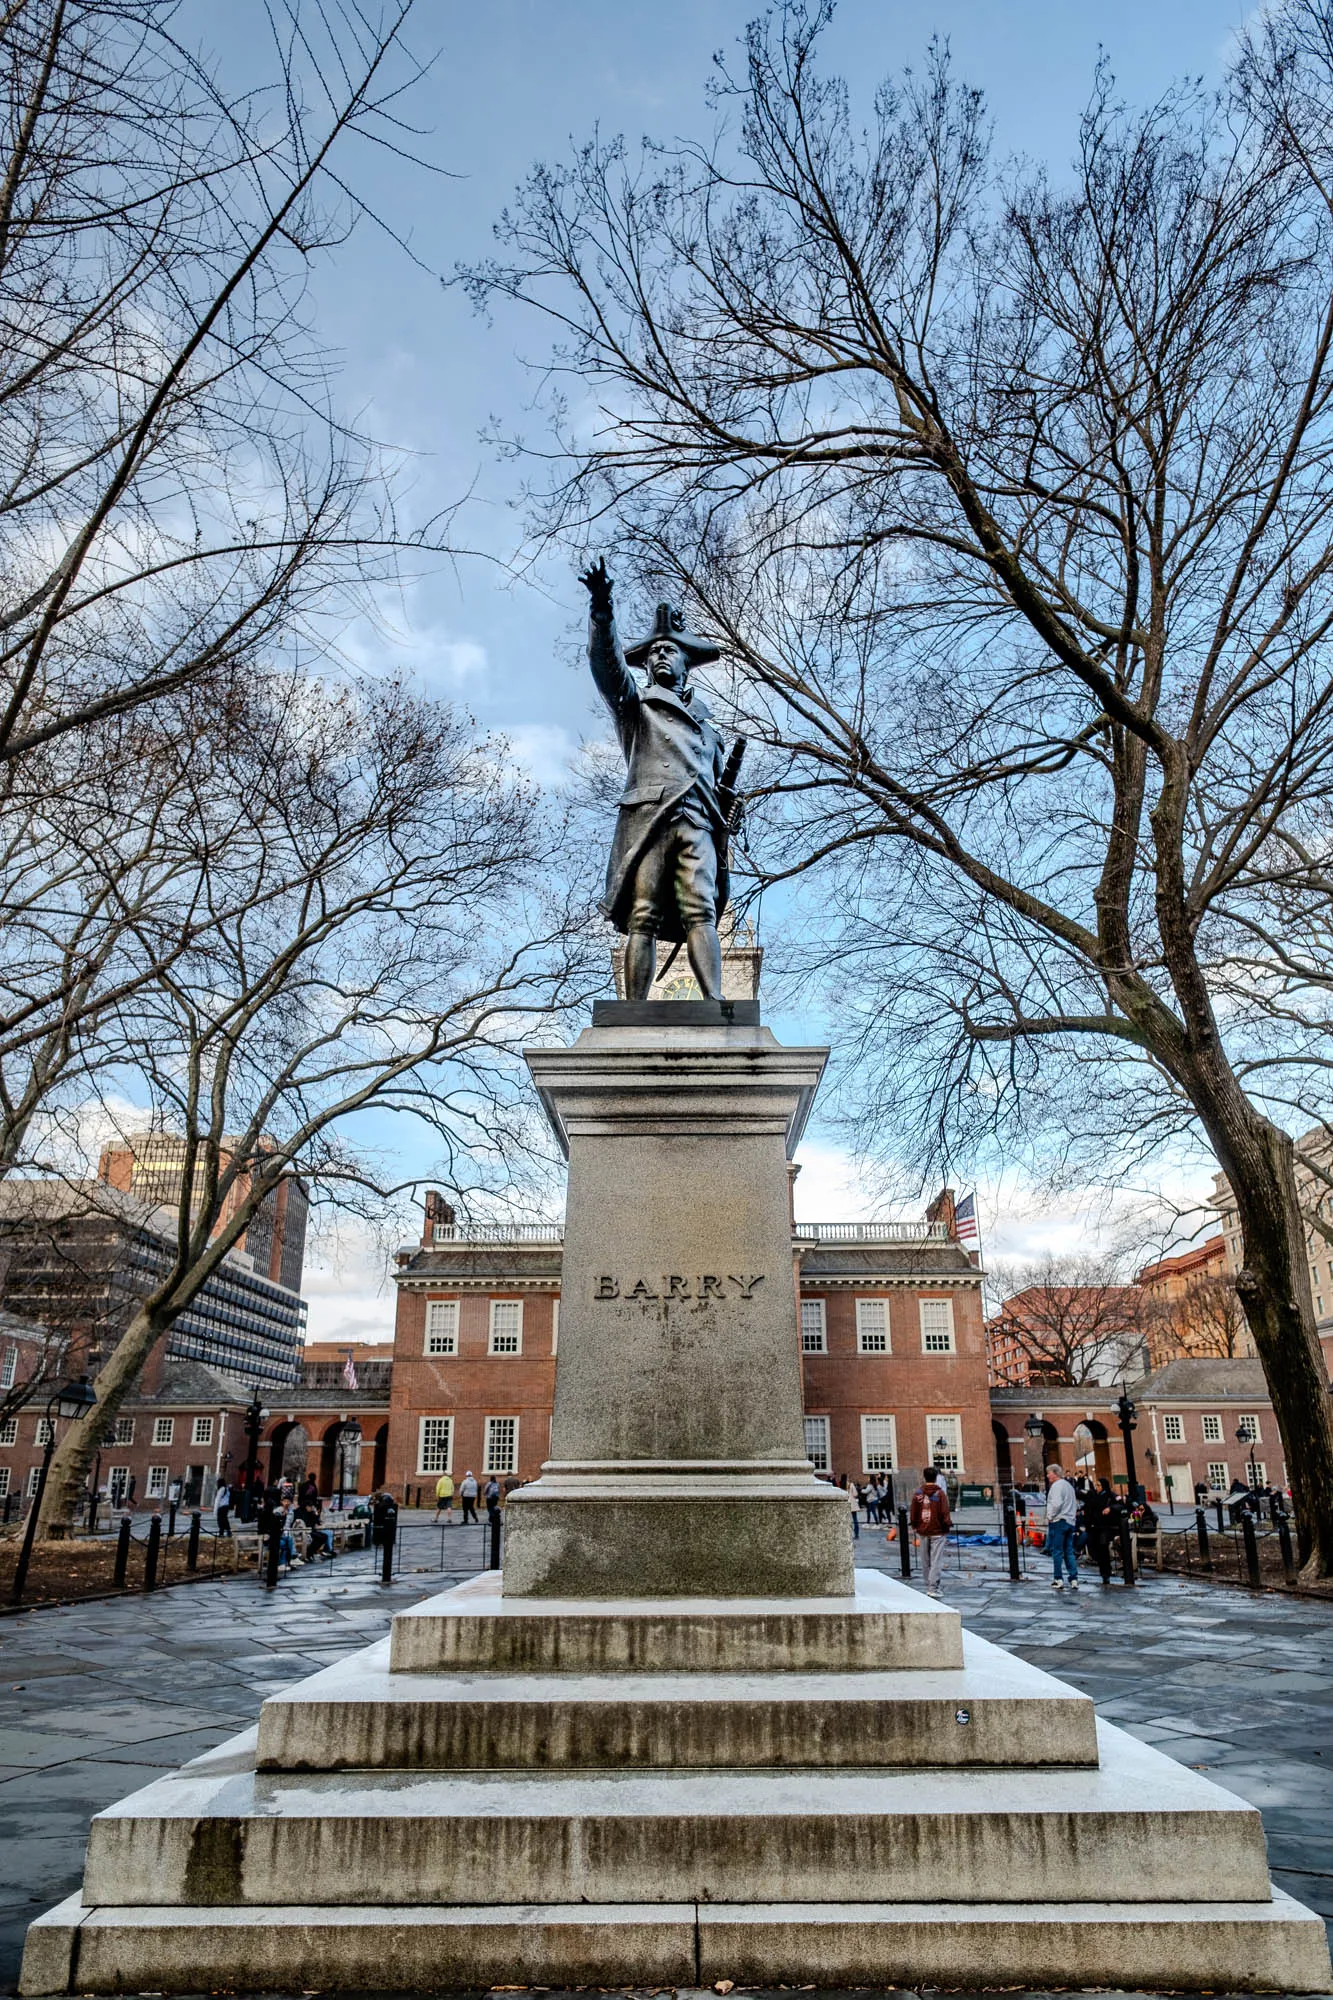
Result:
[{"x": 99, "y": 1699}]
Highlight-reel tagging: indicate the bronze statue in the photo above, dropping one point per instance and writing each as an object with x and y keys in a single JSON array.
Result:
[{"x": 667, "y": 876}]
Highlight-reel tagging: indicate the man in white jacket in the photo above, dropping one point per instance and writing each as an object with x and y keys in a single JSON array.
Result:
[{"x": 1061, "y": 1513}]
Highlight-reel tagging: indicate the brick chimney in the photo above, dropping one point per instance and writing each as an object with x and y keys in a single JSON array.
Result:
[
  {"x": 437, "y": 1210},
  {"x": 941, "y": 1210}
]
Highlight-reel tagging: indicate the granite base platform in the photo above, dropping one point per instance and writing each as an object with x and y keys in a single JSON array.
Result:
[{"x": 689, "y": 1795}]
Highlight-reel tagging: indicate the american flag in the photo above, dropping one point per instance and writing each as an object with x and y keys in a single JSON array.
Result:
[
  {"x": 965, "y": 1221},
  {"x": 349, "y": 1370}
]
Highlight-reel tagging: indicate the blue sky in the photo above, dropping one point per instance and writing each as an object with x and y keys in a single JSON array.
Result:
[{"x": 516, "y": 81}]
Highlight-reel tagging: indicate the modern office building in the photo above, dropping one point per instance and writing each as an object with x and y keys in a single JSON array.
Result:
[
  {"x": 151, "y": 1165},
  {"x": 78, "y": 1258}
]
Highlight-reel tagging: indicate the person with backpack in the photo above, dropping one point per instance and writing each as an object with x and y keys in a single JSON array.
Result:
[{"x": 931, "y": 1522}]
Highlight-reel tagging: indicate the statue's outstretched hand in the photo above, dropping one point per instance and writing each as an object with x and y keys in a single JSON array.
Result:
[{"x": 597, "y": 584}]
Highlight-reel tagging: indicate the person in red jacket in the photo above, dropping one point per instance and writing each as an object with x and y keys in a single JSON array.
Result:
[{"x": 931, "y": 1523}]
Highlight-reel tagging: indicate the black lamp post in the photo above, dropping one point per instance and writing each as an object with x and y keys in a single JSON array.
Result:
[
  {"x": 1127, "y": 1417},
  {"x": 1245, "y": 1435},
  {"x": 72, "y": 1399},
  {"x": 349, "y": 1433},
  {"x": 1035, "y": 1429},
  {"x": 255, "y": 1417}
]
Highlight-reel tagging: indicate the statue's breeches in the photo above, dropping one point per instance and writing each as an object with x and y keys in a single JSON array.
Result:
[{"x": 675, "y": 882}]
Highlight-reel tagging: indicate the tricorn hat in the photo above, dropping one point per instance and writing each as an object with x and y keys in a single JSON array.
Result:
[{"x": 670, "y": 624}]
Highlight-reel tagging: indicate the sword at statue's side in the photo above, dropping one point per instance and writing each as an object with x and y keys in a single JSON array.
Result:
[{"x": 728, "y": 797}]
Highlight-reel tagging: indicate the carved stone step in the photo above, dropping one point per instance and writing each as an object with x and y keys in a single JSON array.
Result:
[
  {"x": 473, "y": 1627},
  {"x": 1138, "y": 1828},
  {"x": 994, "y": 1710},
  {"x": 1233, "y": 1947}
]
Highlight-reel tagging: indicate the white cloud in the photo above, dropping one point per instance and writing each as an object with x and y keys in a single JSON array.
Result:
[
  {"x": 347, "y": 1286},
  {"x": 829, "y": 1187},
  {"x": 545, "y": 750}
]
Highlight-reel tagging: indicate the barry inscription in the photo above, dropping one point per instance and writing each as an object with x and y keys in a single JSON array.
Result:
[{"x": 673, "y": 1285}]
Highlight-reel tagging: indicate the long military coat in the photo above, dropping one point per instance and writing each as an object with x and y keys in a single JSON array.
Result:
[{"x": 671, "y": 748}]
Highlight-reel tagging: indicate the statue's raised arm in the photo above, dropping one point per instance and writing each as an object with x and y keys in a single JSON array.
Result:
[
  {"x": 605, "y": 657},
  {"x": 667, "y": 876}
]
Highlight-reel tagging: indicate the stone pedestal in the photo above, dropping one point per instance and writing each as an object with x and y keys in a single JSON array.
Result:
[
  {"x": 678, "y": 1463},
  {"x": 700, "y": 1748}
]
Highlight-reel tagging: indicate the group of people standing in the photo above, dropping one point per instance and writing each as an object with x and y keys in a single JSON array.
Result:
[
  {"x": 491, "y": 1494},
  {"x": 1088, "y": 1515}
]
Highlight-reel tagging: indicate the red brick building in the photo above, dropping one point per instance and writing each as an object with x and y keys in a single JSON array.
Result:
[
  {"x": 1204, "y": 1422},
  {"x": 890, "y": 1327},
  {"x": 184, "y": 1429}
]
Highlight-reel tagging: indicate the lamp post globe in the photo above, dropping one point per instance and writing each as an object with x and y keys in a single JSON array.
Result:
[
  {"x": 72, "y": 1399},
  {"x": 1245, "y": 1435}
]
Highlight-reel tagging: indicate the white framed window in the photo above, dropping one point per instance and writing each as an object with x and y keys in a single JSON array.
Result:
[
  {"x": 9, "y": 1431},
  {"x": 872, "y": 1326},
  {"x": 122, "y": 1431},
  {"x": 118, "y": 1484},
  {"x": 506, "y": 1326},
  {"x": 201, "y": 1431},
  {"x": 4, "y": 1482},
  {"x": 1173, "y": 1429},
  {"x": 555, "y": 1325},
  {"x": 435, "y": 1444},
  {"x": 1218, "y": 1476},
  {"x": 164, "y": 1430},
  {"x": 944, "y": 1442},
  {"x": 879, "y": 1444},
  {"x": 816, "y": 1442},
  {"x": 1250, "y": 1426},
  {"x": 1212, "y": 1430},
  {"x": 814, "y": 1339},
  {"x": 501, "y": 1453},
  {"x": 442, "y": 1326},
  {"x": 9, "y": 1367},
  {"x": 34, "y": 1474},
  {"x": 43, "y": 1431},
  {"x": 1256, "y": 1473},
  {"x": 157, "y": 1481},
  {"x": 936, "y": 1325}
]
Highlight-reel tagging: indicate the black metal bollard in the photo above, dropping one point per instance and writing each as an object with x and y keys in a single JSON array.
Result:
[
  {"x": 905, "y": 1543},
  {"x": 192, "y": 1549},
  {"x": 151, "y": 1553},
  {"x": 1221, "y": 1524},
  {"x": 271, "y": 1558},
  {"x": 386, "y": 1557},
  {"x": 1284, "y": 1544},
  {"x": 1251, "y": 1551},
  {"x": 495, "y": 1538},
  {"x": 171, "y": 1519},
  {"x": 122, "y": 1553},
  {"x": 1201, "y": 1528},
  {"x": 1126, "y": 1551},
  {"x": 1011, "y": 1542}
]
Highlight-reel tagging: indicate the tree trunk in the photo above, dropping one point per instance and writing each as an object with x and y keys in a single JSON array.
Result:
[
  {"x": 1274, "y": 1291},
  {"x": 76, "y": 1449}
]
